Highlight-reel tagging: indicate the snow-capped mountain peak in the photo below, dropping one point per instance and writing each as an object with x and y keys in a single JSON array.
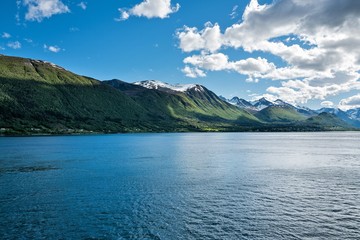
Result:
[
  {"x": 158, "y": 85},
  {"x": 262, "y": 103},
  {"x": 354, "y": 113},
  {"x": 280, "y": 102},
  {"x": 234, "y": 100},
  {"x": 242, "y": 103},
  {"x": 335, "y": 111}
]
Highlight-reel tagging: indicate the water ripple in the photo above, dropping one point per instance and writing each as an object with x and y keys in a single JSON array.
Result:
[{"x": 181, "y": 186}]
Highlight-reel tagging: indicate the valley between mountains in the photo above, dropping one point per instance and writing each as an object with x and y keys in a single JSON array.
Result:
[{"x": 38, "y": 97}]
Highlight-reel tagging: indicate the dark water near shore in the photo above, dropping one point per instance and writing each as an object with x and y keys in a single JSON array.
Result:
[{"x": 181, "y": 186}]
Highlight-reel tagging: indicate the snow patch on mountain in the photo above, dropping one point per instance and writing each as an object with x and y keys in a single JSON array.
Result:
[
  {"x": 49, "y": 63},
  {"x": 354, "y": 113},
  {"x": 158, "y": 85},
  {"x": 261, "y": 104}
]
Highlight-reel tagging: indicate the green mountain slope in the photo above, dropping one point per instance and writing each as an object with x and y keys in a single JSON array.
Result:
[
  {"x": 327, "y": 121},
  {"x": 40, "y": 96},
  {"x": 279, "y": 114},
  {"x": 201, "y": 109}
]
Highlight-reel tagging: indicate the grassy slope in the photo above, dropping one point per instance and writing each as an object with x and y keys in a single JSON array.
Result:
[
  {"x": 201, "y": 110},
  {"x": 279, "y": 114},
  {"x": 327, "y": 121},
  {"x": 37, "y": 95}
]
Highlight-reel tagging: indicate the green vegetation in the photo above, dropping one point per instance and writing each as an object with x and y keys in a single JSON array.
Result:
[
  {"x": 328, "y": 121},
  {"x": 37, "y": 97},
  {"x": 279, "y": 114},
  {"x": 202, "y": 110}
]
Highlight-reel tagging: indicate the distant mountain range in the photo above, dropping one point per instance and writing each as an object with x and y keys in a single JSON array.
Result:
[
  {"x": 38, "y": 97},
  {"x": 351, "y": 116}
]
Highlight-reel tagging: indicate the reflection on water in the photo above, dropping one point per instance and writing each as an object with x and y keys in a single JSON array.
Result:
[{"x": 181, "y": 186}]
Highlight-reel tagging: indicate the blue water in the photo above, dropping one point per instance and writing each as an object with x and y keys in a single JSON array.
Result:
[{"x": 181, "y": 186}]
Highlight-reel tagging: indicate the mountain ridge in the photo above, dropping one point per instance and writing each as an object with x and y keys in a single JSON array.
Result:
[
  {"x": 351, "y": 116},
  {"x": 39, "y": 97}
]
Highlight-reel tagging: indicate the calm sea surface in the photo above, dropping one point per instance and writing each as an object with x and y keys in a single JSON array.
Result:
[{"x": 181, "y": 186}]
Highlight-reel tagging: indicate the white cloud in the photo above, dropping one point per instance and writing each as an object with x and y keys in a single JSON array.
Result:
[
  {"x": 54, "y": 49},
  {"x": 209, "y": 38},
  {"x": 124, "y": 15},
  {"x": 234, "y": 13},
  {"x": 6, "y": 35},
  {"x": 300, "y": 91},
  {"x": 190, "y": 39},
  {"x": 212, "y": 62},
  {"x": 317, "y": 42},
  {"x": 327, "y": 104},
  {"x": 14, "y": 45},
  {"x": 40, "y": 9},
  {"x": 193, "y": 72},
  {"x": 253, "y": 67},
  {"x": 351, "y": 102},
  {"x": 82, "y": 5},
  {"x": 150, "y": 9},
  {"x": 252, "y": 80}
]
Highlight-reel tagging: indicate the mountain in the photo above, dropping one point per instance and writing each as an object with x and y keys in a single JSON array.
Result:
[
  {"x": 305, "y": 111},
  {"x": 223, "y": 98},
  {"x": 354, "y": 114},
  {"x": 261, "y": 104},
  {"x": 38, "y": 97},
  {"x": 279, "y": 102},
  {"x": 241, "y": 103},
  {"x": 166, "y": 87},
  {"x": 279, "y": 113},
  {"x": 190, "y": 103},
  {"x": 328, "y": 121},
  {"x": 350, "y": 116}
]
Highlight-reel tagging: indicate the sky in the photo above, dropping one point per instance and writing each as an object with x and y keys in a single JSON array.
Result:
[{"x": 304, "y": 52}]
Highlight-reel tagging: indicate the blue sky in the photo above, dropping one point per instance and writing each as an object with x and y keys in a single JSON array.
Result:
[{"x": 239, "y": 48}]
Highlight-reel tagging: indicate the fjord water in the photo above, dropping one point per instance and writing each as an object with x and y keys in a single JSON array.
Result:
[{"x": 181, "y": 186}]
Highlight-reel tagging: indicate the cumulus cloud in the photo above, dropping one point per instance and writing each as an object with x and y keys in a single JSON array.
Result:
[
  {"x": 54, "y": 49},
  {"x": 40, "y": 9},
  {"x": 6, "y": 35},
  {"x": 193, "y": 72},
  {"x": 209, "y": 38},
  {"x": 14, "y": 45},
  {"x": 300, "y": 91},
  {"x": 327, "y": 104},
  {"x": 150, "y": 9},
  {"x": 212, "y": 62},
  {"x": 253, "y": 67},
  {"x": 317, "y": 42},
  {"x": 351, "y": 102}
]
